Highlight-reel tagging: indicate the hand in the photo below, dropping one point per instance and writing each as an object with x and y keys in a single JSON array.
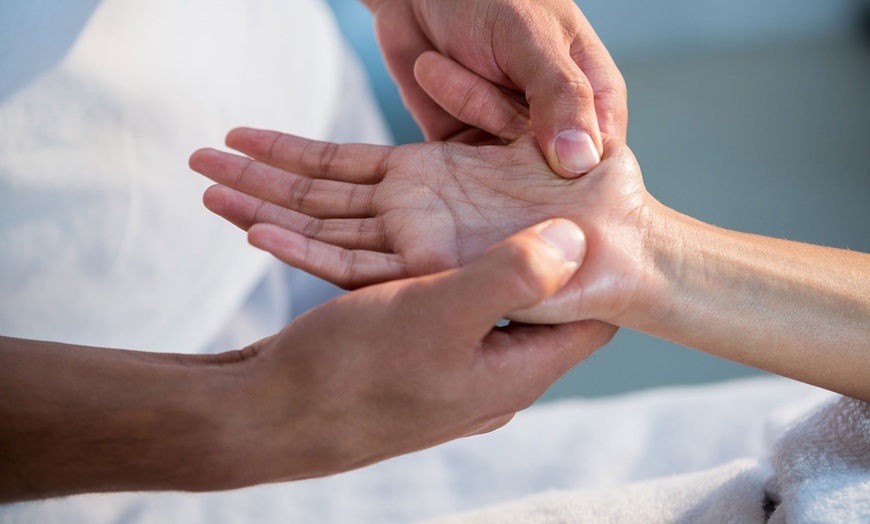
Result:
[
  {"x": 383, "y": 371},
  {"x": 409, "y": 364},
  {"x": 544, "y": 51},
  {"x": 358, "y": 214}
]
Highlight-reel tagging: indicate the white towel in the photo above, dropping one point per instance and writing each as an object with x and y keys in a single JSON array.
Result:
[
  {"x": 822, "y": 466},
  {"x": 819, "y": 472},
  {"x": 733, "y": 492},
  {"x": 713, "y": 436}
]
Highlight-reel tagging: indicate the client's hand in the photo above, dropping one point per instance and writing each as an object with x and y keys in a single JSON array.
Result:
[
  {"x": 409, "y": 364},
  {"x": 360, "y": 214}
]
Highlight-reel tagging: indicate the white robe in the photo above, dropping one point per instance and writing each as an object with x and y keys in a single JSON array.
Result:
[{"x": 104, "y": 238}]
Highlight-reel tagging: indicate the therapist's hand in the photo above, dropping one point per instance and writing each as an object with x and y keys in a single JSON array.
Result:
[
  {"x": 373, "y": 374},
  {"x": 543, "y": 51},
  {"x": 409, "y": 364}
]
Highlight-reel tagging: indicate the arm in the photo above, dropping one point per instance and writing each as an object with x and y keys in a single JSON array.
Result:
[
  {"x": 544, "y": 51},
  {"x": 333, "y": 391},
  {"x": 795, "y": 309},
  {"x": 80, "y": 419},
  {"x": 789, "y": 308}
]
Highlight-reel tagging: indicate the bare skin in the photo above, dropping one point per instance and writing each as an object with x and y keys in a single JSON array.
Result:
[
  {"x": 332, "y": 391},
  {"x": 143, "y": 421},
  {"x": 544, "y": 52},
  {"x": 793, "y": 309}
]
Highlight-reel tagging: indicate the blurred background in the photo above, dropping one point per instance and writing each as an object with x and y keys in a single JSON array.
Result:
[{"x": 753, "y": 116}]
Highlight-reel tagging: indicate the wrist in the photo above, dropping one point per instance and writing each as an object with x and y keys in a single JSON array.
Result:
[
  {"x": 668, "y": 265},
  {"x": 236, "y": 426},
  {"x": 266, "y": 426}
]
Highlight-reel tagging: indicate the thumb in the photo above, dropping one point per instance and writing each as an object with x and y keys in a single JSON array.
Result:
[
  {"x": 563, "y": 117},
  {"x": 517, "y": 273}
]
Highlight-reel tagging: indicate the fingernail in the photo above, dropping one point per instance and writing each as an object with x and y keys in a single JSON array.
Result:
[
  {"x": 576, "y": 152},
  {"x": 565, "y": 237}
]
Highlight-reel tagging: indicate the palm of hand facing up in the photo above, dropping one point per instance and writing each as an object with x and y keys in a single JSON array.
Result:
[{"x": 358, "y": 214}]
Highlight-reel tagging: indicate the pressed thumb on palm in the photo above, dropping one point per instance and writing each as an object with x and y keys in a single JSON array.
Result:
[
  {"x": 563, "y": 117},
  {"x": 516, "y": 273}
]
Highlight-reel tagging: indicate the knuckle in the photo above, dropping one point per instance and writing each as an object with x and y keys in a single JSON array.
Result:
[
  {"x": 258, "y": 216},
  {"x": 611, "y": 106},
  {"x": 318, "y": 156},
  {"x": 313, "y": 228},
  {"x": 244, "y": 174},
  {"x": 568, "y": 85},
  {"x": 347, "y": 277},
  {"x": 564, "y": 90},
  {"x": 468, "y": 106},
  {"x": 327, "y": 155},
  {"x": 297, "y": 191}
]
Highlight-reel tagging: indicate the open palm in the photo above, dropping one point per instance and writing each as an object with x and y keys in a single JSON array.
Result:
[{"x": 358, "y": 214}]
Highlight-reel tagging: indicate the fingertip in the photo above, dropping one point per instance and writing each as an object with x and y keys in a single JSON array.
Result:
[
  {"x": 560, "y": 245},
  {"x": 575, "y": 153},
  {"x": 237, "y": 208},
  {"x": 267, "y": 236},
  {"x": 425, "y": 62},
  {"x": 563, "y": 115},
  {"x": 566, "y": 239},
  {"x": 255, "y": 142},
  {"x": 211, "y": 198},
  {"x": 539, "y": 260},
  {"x": 199, "y": 158},
  {"x": 280, "y": 243},
  {"x": 236, "y": 135}
]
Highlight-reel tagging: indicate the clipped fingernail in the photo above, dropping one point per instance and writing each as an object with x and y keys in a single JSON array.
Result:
[
  {"x": 566, "y": 237},
  {"x": 576, "y": 152}
]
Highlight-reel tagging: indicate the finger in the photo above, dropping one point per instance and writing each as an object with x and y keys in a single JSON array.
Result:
[
  {"x": 401, "y": 43},
  {"x": 470, "y": 98},
  {"x": 560, "y": 96},
  {"x": 516, "y": 273},
  {"x": 525, "y": 359},
  {"x": 611, "y": 98},
  {"x": 318, "y": 198},
  {"x": 346, "y": 268},
  {"x": 357, "y": 163},
  {"x": 244, "y": 211},
  {"x": 518, "y": 362}
]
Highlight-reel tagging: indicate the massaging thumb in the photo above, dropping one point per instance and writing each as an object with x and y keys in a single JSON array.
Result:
[
  {"x": 565, "y": 121},
  {"x": 517, "y": 273}
]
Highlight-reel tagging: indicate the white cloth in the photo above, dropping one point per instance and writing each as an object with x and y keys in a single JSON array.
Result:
[
  {"x": 732, "y": 493},
  {"x": 817, "y": 472},
  {"x": 677, "y": 442},
  {"x": 822, "y": 467},
  {"x": 104, "y": 239}
]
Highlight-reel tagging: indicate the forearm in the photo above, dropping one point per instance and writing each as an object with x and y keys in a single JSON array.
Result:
[
  {"x": 794, "y": 309},
  {"x": 79, "y": 419}
]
